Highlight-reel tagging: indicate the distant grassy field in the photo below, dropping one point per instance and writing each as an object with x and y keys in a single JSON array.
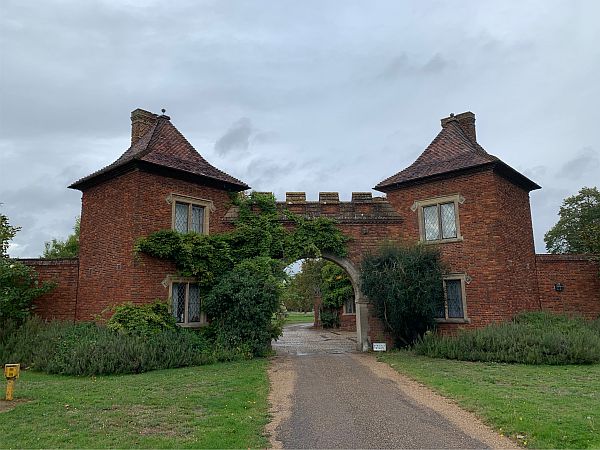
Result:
[
  {"x": 300, "y": 317},
  {"x": 538, "y": 406},
  {"x": 216, "y": 406}
]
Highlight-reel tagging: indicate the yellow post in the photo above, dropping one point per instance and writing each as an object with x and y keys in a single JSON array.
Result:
[
  {"x": 11, "y": 372},
  {"x": 10, "y": 387}
]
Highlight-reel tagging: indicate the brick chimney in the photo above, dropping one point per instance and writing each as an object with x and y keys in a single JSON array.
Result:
[
  {"x": 466, "y": 121},
  {"x": 141, "y": 122}
]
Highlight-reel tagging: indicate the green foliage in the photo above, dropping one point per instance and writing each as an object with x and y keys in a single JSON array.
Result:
[
  {"x": 319, "y": 278},
  {"x": 7, "y": 232},
  {"x": 19, "y": 285},
  {"x": 336, "y": 287},
  {"x": 531, "y": 338},
  {"x": 578, "y": 229},
  {"x": 330, "y": 318},
  {"x": 69, "y": 248},
  {"x": 243, "y": 304},
  {"x": 144, "y": 320},
  {"x": 405, "y": 286},
  {"x": 90, "y": 349},
  {"x": 241, "y": 271}
]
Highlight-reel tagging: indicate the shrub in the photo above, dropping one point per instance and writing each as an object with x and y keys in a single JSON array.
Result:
[
  {"x": 329, "y": 318},
  {"x": 531, "y": 338},
  {"x": 142, "y": 319},
  {"x": 90, "y": 349},
  {"x": 241, "y": 307},
  {"x": 405, "y": 285}
]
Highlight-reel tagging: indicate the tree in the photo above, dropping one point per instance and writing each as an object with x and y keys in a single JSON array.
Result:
[
  {"x": 406, "y": 286},
  {"x": 69, "y": 248},
  {"x": 19, "y": 285},
  {"x": 303, "y": 288},
  {"x": 578, "y": 228}
]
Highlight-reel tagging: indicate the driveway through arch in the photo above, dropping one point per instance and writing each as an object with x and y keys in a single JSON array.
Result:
[{"x": 362, "y": 322}]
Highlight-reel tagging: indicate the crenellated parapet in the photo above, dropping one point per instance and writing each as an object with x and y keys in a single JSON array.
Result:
[{"x": 363, "y": 208}]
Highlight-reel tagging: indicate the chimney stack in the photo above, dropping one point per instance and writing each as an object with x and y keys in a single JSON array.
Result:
[
  {"x": 466, "y": 121},
  {"x": 141, "y": 122}
]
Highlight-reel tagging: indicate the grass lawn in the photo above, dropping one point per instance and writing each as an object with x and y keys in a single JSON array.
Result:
[
  {"x": 300, "y": 317},
  {"x": 539, "y": 406},
  {"x": 214, "y": 406}
]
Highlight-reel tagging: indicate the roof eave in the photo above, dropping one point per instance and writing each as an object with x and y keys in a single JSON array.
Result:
[
  {"x": 130, "y": 166},
  {"x": 500, "y": 167}
]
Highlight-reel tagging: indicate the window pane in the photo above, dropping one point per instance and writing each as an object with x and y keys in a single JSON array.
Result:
[
  {"x": 194, "y": 303},
  {"x": 431, "y": 224},
  {"x": 350, "y": 307},
  {"x": 181, "y": 217},
  {"x": 179, "y": 301},
  {"x": 448, "y": 216},
  {"x": 197, "y": 219},
  {"x": 454, "y": 297}
]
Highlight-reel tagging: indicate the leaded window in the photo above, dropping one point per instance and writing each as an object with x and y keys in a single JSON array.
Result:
[
  {"x": 186, "y": 303},
  {"x": 439, "y": 221},
  {"x": 349, "y": 306},
  {"x": 189, "y": 218},
  {"x": 454, "y": 301}
]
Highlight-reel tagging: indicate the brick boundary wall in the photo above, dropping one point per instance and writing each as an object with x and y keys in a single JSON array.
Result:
[
  {"x": 580, "y": 275},
  {"x": 60, "y": 303}
]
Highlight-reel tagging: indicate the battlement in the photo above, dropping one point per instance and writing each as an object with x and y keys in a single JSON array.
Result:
[{"x": 363, "y": 208}]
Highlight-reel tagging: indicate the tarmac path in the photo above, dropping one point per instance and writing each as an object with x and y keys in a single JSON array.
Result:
[{"x": 325, "y": 395}]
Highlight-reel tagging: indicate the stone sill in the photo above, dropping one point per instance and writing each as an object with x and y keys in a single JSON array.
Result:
[
  {"x": 467, "y": 320},
  {"x": 443, "y": 241}
]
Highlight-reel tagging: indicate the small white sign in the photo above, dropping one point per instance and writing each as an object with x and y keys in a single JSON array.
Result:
[{"x": 379, "y": 347}]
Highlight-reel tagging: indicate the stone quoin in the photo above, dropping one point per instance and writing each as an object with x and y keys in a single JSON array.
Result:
[{"x": 456, "y": 196}]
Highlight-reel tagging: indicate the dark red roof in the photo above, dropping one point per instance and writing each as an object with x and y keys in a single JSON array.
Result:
[
  {"x": 450, "y": 152},
  {"x": 164, "y": 147}
]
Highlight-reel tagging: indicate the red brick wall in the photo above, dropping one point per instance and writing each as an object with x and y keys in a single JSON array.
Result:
[
  {"x": 497, "y": 250},
  {"x": 114, "y": 215},
  {"x": 580, "y": 276},
  {"x": 60, "y": 302}
]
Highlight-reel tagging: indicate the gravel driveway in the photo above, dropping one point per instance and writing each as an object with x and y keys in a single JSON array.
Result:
[{"x": 325, "y": 395}]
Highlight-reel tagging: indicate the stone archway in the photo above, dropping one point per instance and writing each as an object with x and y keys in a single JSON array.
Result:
[{"x": 362, "y": 314}]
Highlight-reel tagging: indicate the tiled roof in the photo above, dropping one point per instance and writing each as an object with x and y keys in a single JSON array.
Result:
[
  {"x": 164, "y": 146},
  {"x": 451, "y": 151}
]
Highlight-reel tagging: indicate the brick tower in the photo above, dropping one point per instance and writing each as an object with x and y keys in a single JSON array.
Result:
[
  {"x": 160, "y": 182},
  {"x": 475, "y": 208}
]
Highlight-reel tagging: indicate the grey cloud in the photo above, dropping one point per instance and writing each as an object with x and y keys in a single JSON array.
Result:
[
  {"x": 402, "y": 66},
  {"x": 586, "y": 161},
  {"x": 236, "y": 138}
]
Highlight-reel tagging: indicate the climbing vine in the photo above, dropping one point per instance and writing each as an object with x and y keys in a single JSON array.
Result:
[{"x": 259, "y": 244}]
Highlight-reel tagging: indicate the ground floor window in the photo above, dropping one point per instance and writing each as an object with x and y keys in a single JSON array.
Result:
[
  {"x": 454, "y": 307},
  {"x": 350, "y": 306},
  {"x": 186, "y": 303}
]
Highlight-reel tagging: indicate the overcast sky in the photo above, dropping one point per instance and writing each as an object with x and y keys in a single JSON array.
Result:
[{"x": 293, "y": 95}]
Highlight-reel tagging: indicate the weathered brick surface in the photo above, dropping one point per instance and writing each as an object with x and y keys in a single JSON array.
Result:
[
  {"x": 61, "y": 301},
  {"x": 580, "y": 276},
  {"x": 496, "y": 252},
  {"x": 114, "y": 215}
]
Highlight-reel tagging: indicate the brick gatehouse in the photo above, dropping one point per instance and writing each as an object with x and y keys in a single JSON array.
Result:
[{"x": 455, "y": 195}]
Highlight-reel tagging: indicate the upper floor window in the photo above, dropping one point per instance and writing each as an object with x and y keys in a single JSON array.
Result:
[
  {"x": 454, "y": 307},
  {"x": 438, "y": 219},
  {"x": 190, "y": 214}
]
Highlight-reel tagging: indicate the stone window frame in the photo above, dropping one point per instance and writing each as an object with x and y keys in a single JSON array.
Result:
[
  {"x": 418, "y": 206},
  {"x": 208, "y": 206},
  {"x": 464, "y": 280},
  {"x": 345, "y": 311},
  {"x": 169, "y": 281}
]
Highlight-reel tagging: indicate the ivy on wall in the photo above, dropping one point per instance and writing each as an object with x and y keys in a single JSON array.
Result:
[{"x": 260, "y": 236}]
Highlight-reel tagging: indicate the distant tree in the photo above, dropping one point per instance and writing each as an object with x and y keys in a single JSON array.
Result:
[
  {"x": 303, "y": 288},
  {"x": 578, "y": 228},
  {"x": 69, "y": 248},
  {"x": 19, "y": 285}
]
